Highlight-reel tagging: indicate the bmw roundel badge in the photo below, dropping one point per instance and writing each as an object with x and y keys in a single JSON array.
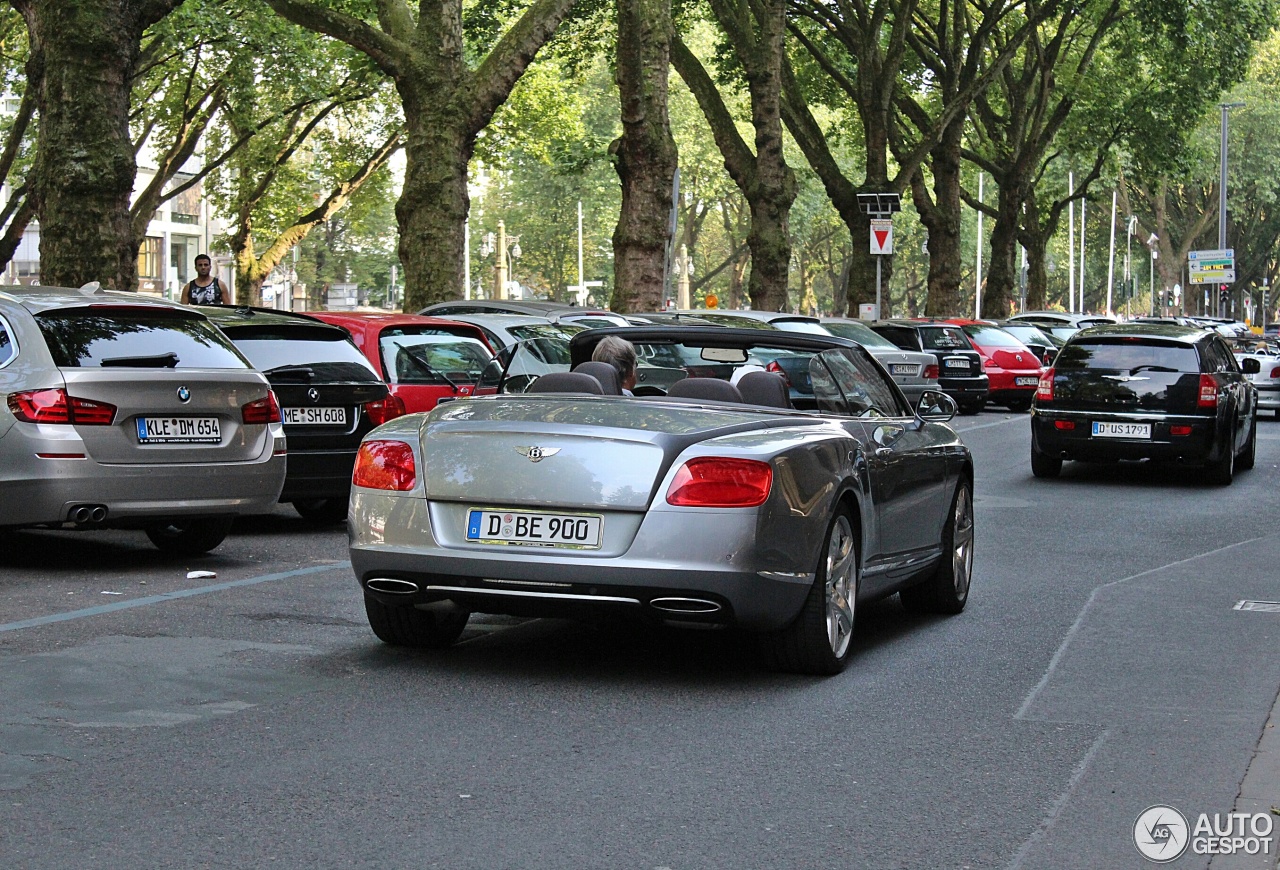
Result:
[
  {"x": 184, "y": 395},
  {"x": 314, "y": 394}
]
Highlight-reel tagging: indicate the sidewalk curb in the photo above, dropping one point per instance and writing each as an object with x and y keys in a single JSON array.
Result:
[{"x": 1259, "y": 793}]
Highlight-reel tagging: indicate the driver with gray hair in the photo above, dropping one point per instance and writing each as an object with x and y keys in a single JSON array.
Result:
[{"x": 621, "y": 354}]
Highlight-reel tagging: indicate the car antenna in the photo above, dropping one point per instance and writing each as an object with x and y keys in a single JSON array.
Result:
[{"x": 93, "y": 288}]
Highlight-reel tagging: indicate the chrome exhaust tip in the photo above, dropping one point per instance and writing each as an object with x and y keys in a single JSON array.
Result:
[
  {"x": 98, "y": 514},
  {"x": 392, "y": 586},
  {"x": 686, "y": 606},
  {"x": 80, "y": 514}
]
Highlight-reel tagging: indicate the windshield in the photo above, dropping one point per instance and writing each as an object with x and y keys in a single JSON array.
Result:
[
  {"x": 135, "y": 336},
  {"x": 429, "y": 357},
  {"x": 944, "y": 338},
  {"x": 1028, "y": 334},
  {"x": 1127, "y": 355},
  {"x": 859, "y": 332},
  {"x": 545, "y": 330},
  {"x": 992, "y": 336},
  {"x": 304, "y": 350}
]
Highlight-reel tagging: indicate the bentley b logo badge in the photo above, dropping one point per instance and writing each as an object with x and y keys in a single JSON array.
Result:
[
  {"x": 537, "y": 454},
  {"x": 184, "y": 395},
  {"x": 313, "y": 394}
]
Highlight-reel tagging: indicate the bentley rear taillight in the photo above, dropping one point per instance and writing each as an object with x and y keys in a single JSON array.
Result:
[
  {"x": 385, "y": 465},
  {"x": 713, "y": 481}
]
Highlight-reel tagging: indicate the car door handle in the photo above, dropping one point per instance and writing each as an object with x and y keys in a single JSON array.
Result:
[{"x": 883, "y": 451}]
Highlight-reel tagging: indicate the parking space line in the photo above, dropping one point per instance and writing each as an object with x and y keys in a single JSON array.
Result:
[{"x": 168, "y": 596}]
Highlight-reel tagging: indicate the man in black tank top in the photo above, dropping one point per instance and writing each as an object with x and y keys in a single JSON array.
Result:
[{"x": 205, "y": 289}]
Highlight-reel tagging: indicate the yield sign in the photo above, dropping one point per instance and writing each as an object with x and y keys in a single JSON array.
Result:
[{"x": 881, "y": 236}]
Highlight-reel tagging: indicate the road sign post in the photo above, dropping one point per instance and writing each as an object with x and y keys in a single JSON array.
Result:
[
  {"x": 1214, "y": 267},
  {"x": 880, "y": 208}
]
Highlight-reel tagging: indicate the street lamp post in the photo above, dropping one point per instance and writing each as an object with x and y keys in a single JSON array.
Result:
[
  {"x": 683, "y": 269},
  {"x": 501, "y": 266},
  {"x": 1151, "y": 243},
  {"x": 1222, "y": 191}
]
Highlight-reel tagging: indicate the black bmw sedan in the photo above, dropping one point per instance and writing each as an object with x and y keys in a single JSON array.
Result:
[
  {"x": 329, "y": 394},
  {"x": 1146, "y": 391}
]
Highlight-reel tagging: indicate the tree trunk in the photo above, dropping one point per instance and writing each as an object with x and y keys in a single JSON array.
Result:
[
  {"x": 644, "y": 156},
  {"x": 1002, "y": 276},
  {"x": 84, "y": 165},
  {"x": 941, "y": 217}
]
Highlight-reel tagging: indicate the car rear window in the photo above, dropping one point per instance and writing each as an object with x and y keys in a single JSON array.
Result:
[
  {"x": 992, "y": 336},
  {"x": 861, "y": 333},
  {"x": 431, "y": 357},
  {"x": 1126, "y": 355},
  {"x": 944, "y": 338},
  {"x": 325, "y": 350},
  {"x": 137, "y": 336}
]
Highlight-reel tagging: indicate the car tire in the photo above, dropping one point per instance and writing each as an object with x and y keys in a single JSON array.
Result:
[
  {"x": 1222, "y": 472},
  {"x": 1019, "y": 406},
  {"x": 819, "y": 640},
  {"x": 405, "y": 625},
  {"x": 968, "y": 409},
  {"x": 1249, "y": 456},
  {"x": 190, "y": 537},
  {"x": 322, "y": 511},
  {"x": 1044, "y": 466},
  {"x": 947, "y": 590}
]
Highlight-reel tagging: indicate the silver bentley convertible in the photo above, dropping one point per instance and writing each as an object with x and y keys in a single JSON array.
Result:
[{"x": 779, "y": 483}]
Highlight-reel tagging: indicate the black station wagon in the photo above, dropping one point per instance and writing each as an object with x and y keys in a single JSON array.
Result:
[{"x": 1146, "y": 391}]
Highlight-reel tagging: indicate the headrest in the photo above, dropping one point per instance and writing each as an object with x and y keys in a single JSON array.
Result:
[
  {"x": 764, "y": 388},
  {"x": 607, "y": 375},
  {"x": 709, "y": 389},
  {"x": 566, "y": 382}
]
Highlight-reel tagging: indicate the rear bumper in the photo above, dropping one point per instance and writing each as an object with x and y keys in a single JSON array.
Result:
[
  {"x": 1269, "y": 396},
  {"x": 1005, "y": 387},
  {"x": 966, "y": 390},
  {"x": 393, "y": 537},
  {"x": 319, "y": 474},
  {"x": 1204, "y": 444},
  {"x": 46, "y": 490}
]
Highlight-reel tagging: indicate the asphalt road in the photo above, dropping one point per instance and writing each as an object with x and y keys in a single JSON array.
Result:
[{"x": 251, "y": 719}]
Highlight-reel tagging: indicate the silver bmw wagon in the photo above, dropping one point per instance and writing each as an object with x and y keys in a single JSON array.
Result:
[{"x": 125, "y": 411}]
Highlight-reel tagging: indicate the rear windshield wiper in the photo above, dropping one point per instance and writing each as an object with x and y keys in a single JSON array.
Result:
[
  {"x": 158, "y": 361},
  {"x": 424, "y": 365},
  {"x": 306, "y": 371},
  {"x": 1151, "y": 368}
]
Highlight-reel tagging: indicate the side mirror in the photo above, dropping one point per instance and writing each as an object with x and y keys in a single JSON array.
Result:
[
  {"x": 936, "y": 406},
  {"x": 1250, "y": 366}
]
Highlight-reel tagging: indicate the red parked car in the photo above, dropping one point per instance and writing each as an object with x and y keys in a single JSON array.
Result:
[
  {"x": 1012, "y": 367},
  {"x": 422, "y": 359}
]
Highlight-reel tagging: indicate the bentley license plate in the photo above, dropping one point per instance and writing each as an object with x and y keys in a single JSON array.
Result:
[
  {"x": 179, "y": 430},
  {"x": 316, "y": 416},
  {"x": 1121, "y": 430},
  {"x": 903, "y": 369},
  {"x": 572, "y": 531}
]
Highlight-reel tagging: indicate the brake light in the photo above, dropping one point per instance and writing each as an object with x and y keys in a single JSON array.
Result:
[
  {"x": 1179, "y": 430},
  {"x": 385, "y": 465},
  {"x": 259, "y": 411},
  {"x": 1208, "y": 392},
  {"x": 55, "y": 406},
  {"x": 1065, "y": 425},
  {"x": 1275, "y": 373},
  {"x": 714, "y": 481},
  {"x": 777, "y": 369},
  {"x": 1044, "y": 388},
  {"x": 931, "y": 373},
  {"x": 385, "y": 409}
]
